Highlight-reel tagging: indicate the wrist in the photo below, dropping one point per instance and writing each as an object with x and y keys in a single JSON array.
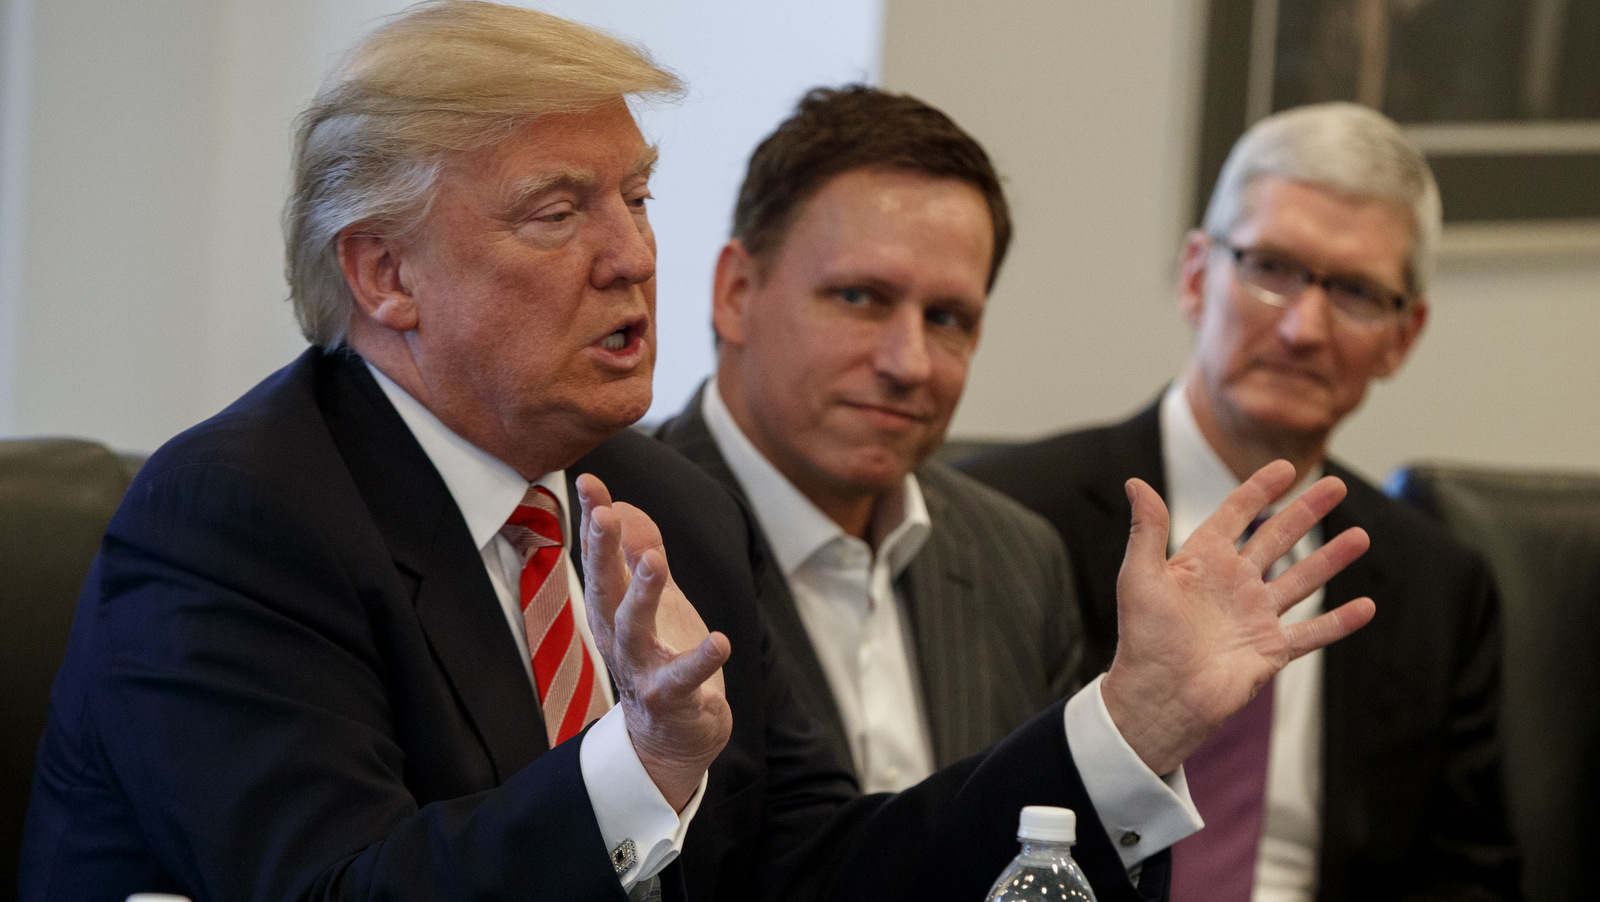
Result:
[{"x": 1159, "y": 728}]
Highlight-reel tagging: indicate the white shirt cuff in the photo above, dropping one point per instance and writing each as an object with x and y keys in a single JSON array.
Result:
[
  {"x": 1142, "y": 812},
  {"x": 627, "y": 804}
]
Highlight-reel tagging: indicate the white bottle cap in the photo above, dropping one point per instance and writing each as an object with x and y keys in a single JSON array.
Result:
[{"x": 1042, "y": 823}]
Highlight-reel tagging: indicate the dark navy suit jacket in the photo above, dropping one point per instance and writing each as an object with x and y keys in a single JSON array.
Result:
[{"x": 289, "y": 678}]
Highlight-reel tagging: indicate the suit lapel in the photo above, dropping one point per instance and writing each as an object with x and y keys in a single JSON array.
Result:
[
  {"x": 1362, "y": 674},
  {"x": 939, "y": 593},
  {"x": 1133, "y": 448},
  {"x": 455, "y": 603},
  {"x": 690, "y": 436}
]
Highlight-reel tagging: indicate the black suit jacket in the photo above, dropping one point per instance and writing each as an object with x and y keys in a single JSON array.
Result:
[
  {"x": 1413, "y": 799},
  {"x": 289, "y": 678},
  {"x": 989, "y": 600}
]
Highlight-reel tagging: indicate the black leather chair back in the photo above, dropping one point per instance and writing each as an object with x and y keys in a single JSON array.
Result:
[
  {"x": 1541, "y": 535},
  {"x": 56, "y": 497}
]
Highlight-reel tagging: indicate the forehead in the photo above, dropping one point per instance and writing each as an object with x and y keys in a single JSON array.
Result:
[
  {"x": 870, "y": 212},
  {"x": 598, "y": 147},
  {"x": 1327, "y": 229}
]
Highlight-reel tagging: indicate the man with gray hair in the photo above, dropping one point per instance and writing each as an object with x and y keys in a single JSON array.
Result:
[
  {"x": 1370, "y": 770},
  {"x": 332, "y": 647}
]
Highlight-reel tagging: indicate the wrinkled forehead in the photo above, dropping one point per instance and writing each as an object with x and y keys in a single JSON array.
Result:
[
  {"x": 1371, "y": 234},
  {"x": 590, "y": 149}
]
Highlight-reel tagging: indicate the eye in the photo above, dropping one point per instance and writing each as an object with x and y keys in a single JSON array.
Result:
[
  {"x": 1272, "y": 265},
  {"x": 554, "y": 213},
  {"x": 855, "y": 297},
  {"x": 948, "y": 318}
]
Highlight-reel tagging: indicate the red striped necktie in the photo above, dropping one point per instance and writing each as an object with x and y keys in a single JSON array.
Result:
[{"x": 569, "y": 691}]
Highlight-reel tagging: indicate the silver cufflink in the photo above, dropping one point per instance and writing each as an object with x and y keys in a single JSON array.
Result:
[{"x": 623, "y": 856}]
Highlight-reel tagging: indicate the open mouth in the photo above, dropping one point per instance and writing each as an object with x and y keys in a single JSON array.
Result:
[{"x": 623, "y": 338}]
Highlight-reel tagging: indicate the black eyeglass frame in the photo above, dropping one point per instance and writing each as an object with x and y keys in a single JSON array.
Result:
[{"x": 1393, "y": 302}]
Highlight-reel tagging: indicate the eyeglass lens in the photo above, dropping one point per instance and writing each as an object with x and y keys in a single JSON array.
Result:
[{"x": 1357, "y": 298}]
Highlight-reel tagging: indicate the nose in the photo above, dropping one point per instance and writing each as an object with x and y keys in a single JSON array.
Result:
[
  {"x": 626, "y": 248},
  {"x": 1307, "y": 319},
  {"x": 902, "y": 350}
]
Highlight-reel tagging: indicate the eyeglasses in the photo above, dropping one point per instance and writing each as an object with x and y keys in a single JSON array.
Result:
[{"x": 1279, "y": 280}]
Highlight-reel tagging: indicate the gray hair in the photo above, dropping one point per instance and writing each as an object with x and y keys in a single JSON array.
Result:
[
  {"x": 442, "y": 78},
  {"x": 1344, "y": 147}
]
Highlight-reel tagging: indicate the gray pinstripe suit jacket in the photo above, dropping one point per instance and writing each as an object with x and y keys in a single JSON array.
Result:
[{"x": 991, "y": 601}]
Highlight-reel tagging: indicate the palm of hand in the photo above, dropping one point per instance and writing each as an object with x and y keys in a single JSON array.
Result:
[
  {"x": 1210, "y": 621},
  {"x": 1199, "y": 634}
]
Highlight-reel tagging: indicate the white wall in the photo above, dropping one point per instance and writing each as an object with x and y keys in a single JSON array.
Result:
[
  {"x": 144, "y": 161},
  {"x": 1088, "y": 108},
  {"x": 144, "y": 155}
]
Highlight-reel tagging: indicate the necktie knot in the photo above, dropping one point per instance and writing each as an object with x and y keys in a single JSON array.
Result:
[{"x": 535, "y": 523}]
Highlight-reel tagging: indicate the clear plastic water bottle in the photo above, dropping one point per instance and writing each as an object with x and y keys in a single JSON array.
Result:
[{"x": 1044, "y": 869}]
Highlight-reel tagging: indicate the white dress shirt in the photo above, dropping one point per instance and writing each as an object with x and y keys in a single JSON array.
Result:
[
  {"x": 1197, "y": 483},
  {"x": 868, "y": 656},
  {"x": 847, "y": 601},
  {"x": 626, "y": 802}
]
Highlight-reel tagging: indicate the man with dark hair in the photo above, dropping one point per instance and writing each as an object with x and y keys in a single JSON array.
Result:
[
  {"x": 923, "y": 616},
  {"x": 1371, "y": 771},
  {"x": 332, "y": 647}
]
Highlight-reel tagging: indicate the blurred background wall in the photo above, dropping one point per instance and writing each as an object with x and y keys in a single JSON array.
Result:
[{"x": 143, "y": 163}]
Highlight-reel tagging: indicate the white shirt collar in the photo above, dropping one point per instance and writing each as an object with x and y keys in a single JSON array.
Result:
[
  {"x": 795, "y": 528},
  {"x": 485, "y": 488},
  {"x": 1197, "y": 479}
]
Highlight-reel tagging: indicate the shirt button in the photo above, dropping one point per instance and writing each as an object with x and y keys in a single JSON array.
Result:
[{"x": 1130, "y": 838}]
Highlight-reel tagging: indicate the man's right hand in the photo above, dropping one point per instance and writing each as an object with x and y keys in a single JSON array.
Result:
[
  {"x": 667, "y": 666},
  {"x": 1199, "y": 634}
]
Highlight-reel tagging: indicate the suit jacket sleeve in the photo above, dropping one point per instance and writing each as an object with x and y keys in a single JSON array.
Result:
[
  {"x": 243, "y": 702},
  {"x": 780, "y": 814}
]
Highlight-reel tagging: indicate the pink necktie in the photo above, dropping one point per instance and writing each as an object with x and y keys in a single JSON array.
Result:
[
  {"x": 569, "y": 693},
  {"x": 1227, "y": 778}
]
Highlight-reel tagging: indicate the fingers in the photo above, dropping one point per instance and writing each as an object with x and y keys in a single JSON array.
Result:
[
  {"x": 1276, "y": 536},
  {"x": 636, "y": 616},
  {"x": 1147, "y": 540},
  {"x": 639, "y": 532},
  {"x": 1328, "y": 628},
  {"x": 689, "y": 671},
  {"x": 605, "y": 575},
  {"x": 1247, "y": 501},
  {"x": 639, "y": 640},
  {"x": 1306, "y": 576}
]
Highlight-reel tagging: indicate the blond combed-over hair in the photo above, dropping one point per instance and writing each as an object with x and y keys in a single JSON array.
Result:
[{"x": 442, "y": 78}]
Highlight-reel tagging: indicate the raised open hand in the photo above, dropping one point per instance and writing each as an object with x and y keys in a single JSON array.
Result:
[
  {"x": 1199, "y": 634},
  {"x": 667, "y": 667}
]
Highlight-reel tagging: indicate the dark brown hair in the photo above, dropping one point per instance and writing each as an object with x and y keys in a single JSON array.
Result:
[{"x": 834, "y": 131}]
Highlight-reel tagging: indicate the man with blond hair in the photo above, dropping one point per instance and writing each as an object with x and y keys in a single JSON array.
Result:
[{"x": 332, "y": 646}]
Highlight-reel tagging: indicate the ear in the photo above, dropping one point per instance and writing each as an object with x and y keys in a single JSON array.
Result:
[
  {"x": 1400, "y": 348},
  {"x": 374, "y": 269},
  {"x": 1192, "y": 276},
  {"x": 731, "y": 287}
]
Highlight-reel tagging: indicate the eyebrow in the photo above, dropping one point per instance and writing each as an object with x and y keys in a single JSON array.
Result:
[{"x": 526, "y": 192}]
